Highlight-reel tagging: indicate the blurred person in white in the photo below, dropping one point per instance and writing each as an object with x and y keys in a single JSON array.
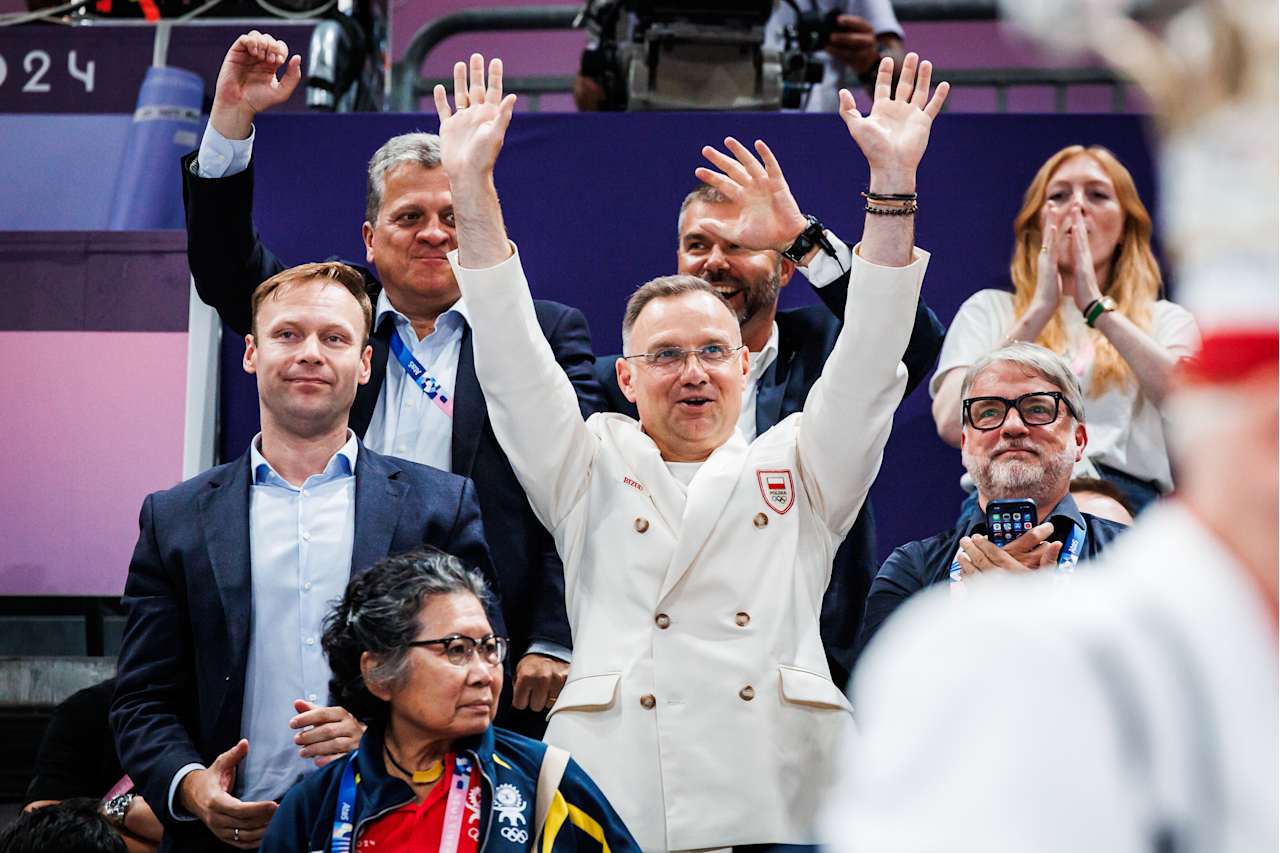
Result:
[
  {"x": 1136, "y": 709},
  {"x": 1085, "y": 285}
]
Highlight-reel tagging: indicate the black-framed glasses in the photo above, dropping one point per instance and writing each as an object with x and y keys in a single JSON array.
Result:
[
  {"x": 459, "y": 648},
  {"x": 673, "y": 358},
  {"x": 1039, "y": 408}
]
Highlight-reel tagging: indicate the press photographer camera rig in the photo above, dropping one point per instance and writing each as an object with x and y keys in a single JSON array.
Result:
[{"x": 700, "y": 54}]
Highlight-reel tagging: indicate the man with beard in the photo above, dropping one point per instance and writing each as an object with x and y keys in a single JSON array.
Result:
[
  {"x": 1023, "y": 432},
  {"x": 787, "y": 352}
]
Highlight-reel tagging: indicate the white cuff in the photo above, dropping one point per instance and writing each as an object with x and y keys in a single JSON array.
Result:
[
  {"x": 220, "y": 157},
  {"x": 824, "y": 269},
  {"x": 173, "y": 790},
  {"x": 551, "y": 650}
]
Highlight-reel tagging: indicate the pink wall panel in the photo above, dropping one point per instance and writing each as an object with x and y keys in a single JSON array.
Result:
[{"x": 81, "y": 448}]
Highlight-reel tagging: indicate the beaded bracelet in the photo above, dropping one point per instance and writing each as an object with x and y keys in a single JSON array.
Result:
[{"x": 908, "y": 209}]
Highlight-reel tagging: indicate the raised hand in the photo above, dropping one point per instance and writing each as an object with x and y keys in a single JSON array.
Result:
[
  {"x": 247, "y": 83},
  {"x": 894, "y": 135},
  {"x": 768, "y": 217},
  {"x": 471, "y": 136},
  {"x": 1053, "y": 245}
]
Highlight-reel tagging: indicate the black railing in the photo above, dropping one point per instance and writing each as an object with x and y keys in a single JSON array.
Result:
[{"x": 408, "y": 86}]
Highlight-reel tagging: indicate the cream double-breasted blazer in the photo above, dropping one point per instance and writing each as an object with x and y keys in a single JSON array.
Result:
[{"x": 698, "y": 697}]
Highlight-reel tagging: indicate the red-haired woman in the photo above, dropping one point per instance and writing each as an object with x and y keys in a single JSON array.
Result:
[{"x": 1087, "y": 286}]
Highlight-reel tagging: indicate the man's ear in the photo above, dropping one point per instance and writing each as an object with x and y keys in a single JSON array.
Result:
[
  {"x": 622, "y": 369},
  {"x": 366, "y": 362},
  {"x": 786, "y": 270},
  {"x": 250, "y": 355},
  {"x": 1082, "y": 440},
  {"x": 368, "y": 663},
  {"x": 962, "y": 437},
  {"x": 366, "y": 234}
]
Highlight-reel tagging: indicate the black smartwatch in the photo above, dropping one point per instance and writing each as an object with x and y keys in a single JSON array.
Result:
[{"x": 814, "y": 234}]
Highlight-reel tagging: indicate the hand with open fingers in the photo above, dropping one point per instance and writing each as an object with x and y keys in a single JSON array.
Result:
[
  {"x": 471, "y": 135},
  {"x": 327, "y": 733},
  {"x": 1086, "y": 280},
  {"x": 539, "y": 679},
  {"x": 204, "y": 793},
  {"x": 769, "y": 217},
  {"x": 894, "y": 135},
  {"x": 247, "y": 83}
]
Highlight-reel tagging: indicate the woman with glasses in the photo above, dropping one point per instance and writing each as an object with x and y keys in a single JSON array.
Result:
[
  {"x": 1085, "y": 285},
  {"x": 414, "y": 657}
]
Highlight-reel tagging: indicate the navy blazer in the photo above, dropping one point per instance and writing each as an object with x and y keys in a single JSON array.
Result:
[
  {"x": 228, "y": 260},
  {"x": 181, "y": 673},
  {"x": 805, "y": 339}
]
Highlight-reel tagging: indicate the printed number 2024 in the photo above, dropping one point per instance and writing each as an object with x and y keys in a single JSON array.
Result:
[{"x": 37, "y": 63}]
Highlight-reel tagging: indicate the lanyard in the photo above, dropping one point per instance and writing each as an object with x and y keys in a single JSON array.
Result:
[
  {"x": 341, "y": 839},
  {"x": 452, "y": 829},
  {"x": 413, "y": 368},
  {"x": 1062, "y": 572}
]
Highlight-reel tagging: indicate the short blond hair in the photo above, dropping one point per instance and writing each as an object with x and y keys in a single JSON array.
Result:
[{"x": 336, "y": 272}]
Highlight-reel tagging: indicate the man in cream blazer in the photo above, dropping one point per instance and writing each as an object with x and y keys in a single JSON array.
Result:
[{"x": 699, "y": 697}]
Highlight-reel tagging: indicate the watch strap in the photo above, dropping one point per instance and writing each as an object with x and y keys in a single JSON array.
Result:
[{"x": 814, "y": 234}]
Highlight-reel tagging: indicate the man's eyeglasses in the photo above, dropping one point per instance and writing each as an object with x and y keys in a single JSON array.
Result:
[
  {"x": 673, "y": 358},
  {"x": 1039, "y": 408},
  {"x": 459, "y": 649}
]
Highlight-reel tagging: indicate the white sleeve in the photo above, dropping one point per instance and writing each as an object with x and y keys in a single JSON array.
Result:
[
  {"x": 979, "y": 326},
  {"x": 978, "y": 733},
  {"x": 531, "y": 402},
  {"x": 220, "y": 157},
  {"x": 1175, "y": 329},
  {"x": 182, "y": 773},
  {"x": 849, "y": 412},
  {"x": 824, "y": 269}
]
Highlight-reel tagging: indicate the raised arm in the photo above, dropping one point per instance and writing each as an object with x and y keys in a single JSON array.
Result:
[{"x": 531, "y": 402}]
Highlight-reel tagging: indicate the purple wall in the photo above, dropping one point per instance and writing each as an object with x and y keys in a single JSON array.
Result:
[{"x": 93, "y": 351}]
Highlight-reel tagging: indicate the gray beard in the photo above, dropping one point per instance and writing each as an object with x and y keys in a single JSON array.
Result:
[{"x": 1038, "y": 480}]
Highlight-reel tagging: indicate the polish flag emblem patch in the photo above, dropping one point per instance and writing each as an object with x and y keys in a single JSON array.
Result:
[{"x": 777, "y": 488}]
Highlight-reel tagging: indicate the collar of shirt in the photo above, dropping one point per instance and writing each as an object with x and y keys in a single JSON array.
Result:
[
  {"x": 449, "y": 323},
  {"x": 341, "y": 464},
  {"x": 760, "y": 361},
  {"x": 1063, "y": 515}
]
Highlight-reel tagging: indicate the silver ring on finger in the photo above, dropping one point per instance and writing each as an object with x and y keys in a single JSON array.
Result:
[{"x": 235, "y": 835}]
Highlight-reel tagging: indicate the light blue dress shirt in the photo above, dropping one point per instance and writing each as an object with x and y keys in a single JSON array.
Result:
[
  {"x": 300, "y": 541},
  {"x": 406, "y": 423}
]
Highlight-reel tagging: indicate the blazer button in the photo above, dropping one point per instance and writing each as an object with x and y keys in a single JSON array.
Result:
[
  {"x": 662, "y": 620},
  {"x": 642, "y": 524},
  {"x": 747, "y": 693},
  {"x": 761, "y": 520},
  {"x": 741, "y": 619},
  {"x": 647, "y": 701}
]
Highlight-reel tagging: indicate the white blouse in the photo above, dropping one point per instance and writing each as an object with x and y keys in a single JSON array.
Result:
[{"x": 1126, "y": 430}]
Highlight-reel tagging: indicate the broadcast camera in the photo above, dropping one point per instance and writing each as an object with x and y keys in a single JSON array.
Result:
[{"x": 700, "y": 54}]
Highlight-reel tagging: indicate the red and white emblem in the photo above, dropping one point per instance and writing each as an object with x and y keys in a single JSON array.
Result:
[{"x": 778, "y": 490}]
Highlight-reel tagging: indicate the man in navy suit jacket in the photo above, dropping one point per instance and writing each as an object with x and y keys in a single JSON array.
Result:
[
  {"x": 218, "y": 706},
  {"x": 788, "y": 350},
  {"x": 407, "y": 233}
]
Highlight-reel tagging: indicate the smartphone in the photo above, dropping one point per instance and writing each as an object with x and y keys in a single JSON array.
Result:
[{"x": 1009, "y": 519}]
